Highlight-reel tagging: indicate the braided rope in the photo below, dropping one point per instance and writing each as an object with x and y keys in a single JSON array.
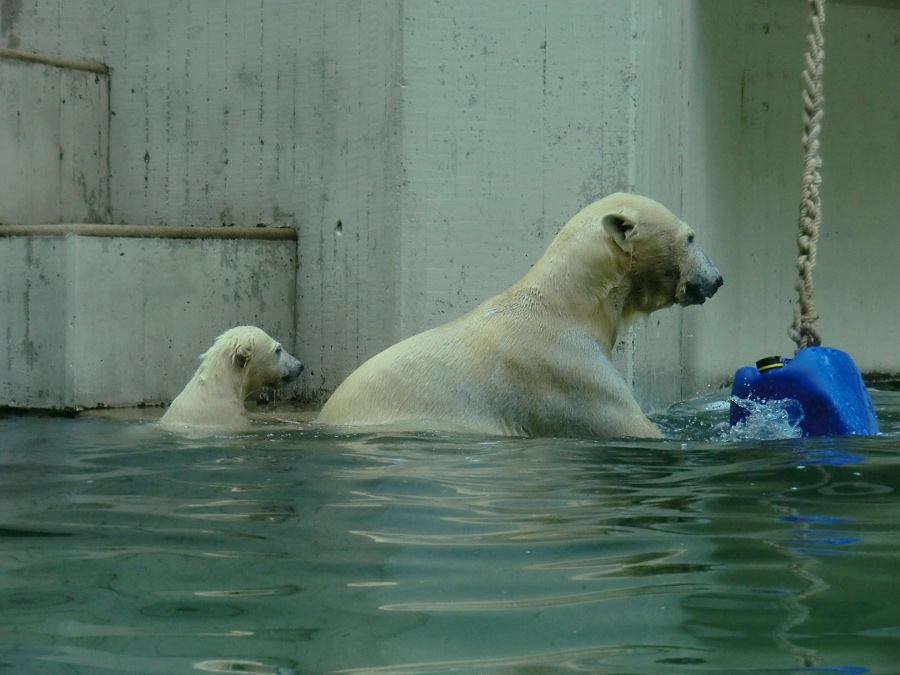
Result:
[{"x": 804, "y": 331}]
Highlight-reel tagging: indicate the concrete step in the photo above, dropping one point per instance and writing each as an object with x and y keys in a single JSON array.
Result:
[{"x": 116, "y": 315}]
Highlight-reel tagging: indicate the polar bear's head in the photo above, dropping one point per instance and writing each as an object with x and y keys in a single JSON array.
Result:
[
  {"x": 256, "y": 360},
  {"x": 641, "y": 252}
]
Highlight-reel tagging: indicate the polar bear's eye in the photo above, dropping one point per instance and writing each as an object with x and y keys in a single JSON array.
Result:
[{"x": 690, "y": 238}]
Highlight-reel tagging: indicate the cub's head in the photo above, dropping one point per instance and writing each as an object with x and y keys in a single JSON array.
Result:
[
  {"x": 645, "y": 255},
  {"x": 259, "y": 360}
]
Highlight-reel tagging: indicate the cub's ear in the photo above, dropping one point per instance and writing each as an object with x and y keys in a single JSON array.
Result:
[
  {"x": 620, "y": 227},
  {"x": 241, "y": 357}
]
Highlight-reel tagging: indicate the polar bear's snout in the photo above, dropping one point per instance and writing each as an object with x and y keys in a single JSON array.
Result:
[
  {"x": 696, "y": 293},
  {"x": 289, "y": 367},
  {"x": 701, "y": 281}
]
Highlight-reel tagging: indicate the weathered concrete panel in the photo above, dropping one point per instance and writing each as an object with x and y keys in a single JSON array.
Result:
[
  {"x": 54, "y": 124},
  {"x": 744, "y": 156},
  {"x": 512, "y": 122},
  {"x": 347, "y": 150},
  {"x": 119, "y": 321},
  {"x": 33, "y": 322},
  {"x": 857, "y": 282}
]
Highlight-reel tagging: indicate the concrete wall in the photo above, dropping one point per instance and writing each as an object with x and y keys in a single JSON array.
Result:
[
  {"x": 49, "y": 172},
  {"x": 858, "y": 284},
  {"x": 108, "y": 315},
  {"x": 719, "y": 139},
  {"x": 427, "y": 151},
  {"x": 512, "y": 122},
  {"x": 93, "y": 319},
  {"x": 746, "y": 159},
  {"x": 279, "y": 112}
]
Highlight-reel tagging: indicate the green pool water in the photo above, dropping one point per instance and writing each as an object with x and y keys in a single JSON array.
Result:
[{"x": 124, "y": 549}]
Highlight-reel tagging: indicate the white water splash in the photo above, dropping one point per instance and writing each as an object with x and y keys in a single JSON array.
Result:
[{"x": 767, "y": 420}]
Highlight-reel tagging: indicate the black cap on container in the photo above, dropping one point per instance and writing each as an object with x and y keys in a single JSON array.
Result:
[{"x": 769, "y": 362}]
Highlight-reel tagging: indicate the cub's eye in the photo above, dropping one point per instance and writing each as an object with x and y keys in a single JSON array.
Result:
[{"x": 690, "y": 238}]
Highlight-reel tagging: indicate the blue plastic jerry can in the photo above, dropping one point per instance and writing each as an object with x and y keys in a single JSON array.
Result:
[{"x": 824, "y": 381}]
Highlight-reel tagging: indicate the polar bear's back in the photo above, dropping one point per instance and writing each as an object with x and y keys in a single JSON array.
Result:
[
  {"x": 492, "y": 372},
  {"x": 421, "y": 382}
]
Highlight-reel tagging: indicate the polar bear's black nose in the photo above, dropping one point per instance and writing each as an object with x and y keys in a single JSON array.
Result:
[{"x": 696, "y": 292}]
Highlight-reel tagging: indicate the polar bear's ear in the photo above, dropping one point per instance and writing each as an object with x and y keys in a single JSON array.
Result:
[
  {"x": 619, "y": 227},
  {"x": 241, "y": 357}
]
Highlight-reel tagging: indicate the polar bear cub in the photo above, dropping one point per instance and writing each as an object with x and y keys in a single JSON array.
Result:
[
  {"x": 535, "y": 360},
  {"x": 241, "y": 361}
]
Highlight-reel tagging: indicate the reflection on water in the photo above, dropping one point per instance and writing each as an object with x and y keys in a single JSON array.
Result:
[{"x": 127, "y": 550}]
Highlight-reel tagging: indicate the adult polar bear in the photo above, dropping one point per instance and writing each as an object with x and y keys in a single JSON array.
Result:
[{"x": 535, "y": 360}]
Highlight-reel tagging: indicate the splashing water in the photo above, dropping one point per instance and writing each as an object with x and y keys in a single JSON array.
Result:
[{"x": 765, "y": 420}]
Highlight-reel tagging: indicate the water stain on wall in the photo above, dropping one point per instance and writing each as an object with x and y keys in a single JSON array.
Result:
[{"x": 9, "y": 14}]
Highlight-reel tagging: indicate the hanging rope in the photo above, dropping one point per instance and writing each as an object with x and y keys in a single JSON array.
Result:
[{"x": 804, "y": 331}]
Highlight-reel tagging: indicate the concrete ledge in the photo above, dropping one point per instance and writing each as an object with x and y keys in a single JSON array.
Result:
[
  {"x": 149, "y": 231},
  {"x": 54, "y": 61}
]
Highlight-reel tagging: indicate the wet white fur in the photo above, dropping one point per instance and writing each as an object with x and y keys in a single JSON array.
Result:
[
  {"x": 241, "y": 361},
  {"x": 535, "y": 360}
]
